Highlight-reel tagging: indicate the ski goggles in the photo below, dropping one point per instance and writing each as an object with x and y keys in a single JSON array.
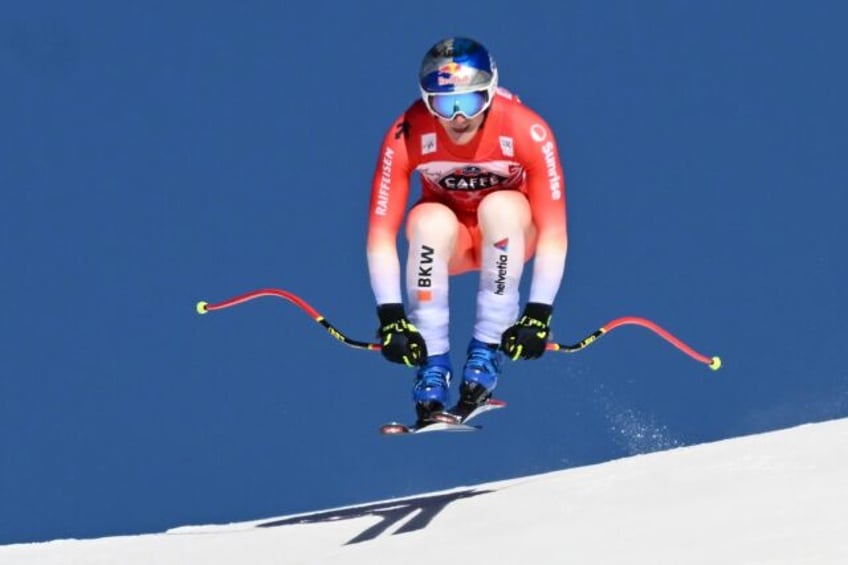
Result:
[{"x": 450, "y": 105}]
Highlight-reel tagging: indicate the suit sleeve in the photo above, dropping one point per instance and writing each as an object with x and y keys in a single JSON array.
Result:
[
  {"x": 546, "y": 193},
  {"x": 389, "y": 195}
]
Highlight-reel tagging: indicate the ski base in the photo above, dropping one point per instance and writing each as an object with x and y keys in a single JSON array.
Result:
[{"x": 451, "y": 421}]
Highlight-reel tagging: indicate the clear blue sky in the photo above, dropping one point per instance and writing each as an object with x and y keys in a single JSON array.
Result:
[{"x": 158, "y": 155}]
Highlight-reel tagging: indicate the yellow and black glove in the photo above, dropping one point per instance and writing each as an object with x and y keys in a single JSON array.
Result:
[
  {"x": 400, "y": 341},
  {"x": 528, "y": 337}
]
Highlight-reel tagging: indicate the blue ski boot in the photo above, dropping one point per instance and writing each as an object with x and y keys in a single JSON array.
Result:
[
  {"x": 480, "y": 374},
  {"x": 431, "y": 387}
]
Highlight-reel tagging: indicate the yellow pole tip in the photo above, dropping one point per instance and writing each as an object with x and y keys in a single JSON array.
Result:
[
  {"x": 201, "y": 307},
  {"x": 715, "y": 365}
]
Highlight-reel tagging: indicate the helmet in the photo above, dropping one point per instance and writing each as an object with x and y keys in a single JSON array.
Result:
[{"x": 457, "y": 76}]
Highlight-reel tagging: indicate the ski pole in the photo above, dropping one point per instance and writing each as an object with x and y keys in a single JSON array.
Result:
[
  {"x": 713, "y": 363},
  {"x": 204, "y": 307}
]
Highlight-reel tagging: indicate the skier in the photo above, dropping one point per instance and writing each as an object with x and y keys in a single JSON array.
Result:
[{"x": 493, "y": 196}]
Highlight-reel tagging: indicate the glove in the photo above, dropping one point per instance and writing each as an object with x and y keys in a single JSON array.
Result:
[
  {"x": 400, "y": 341},
  {"x": 527, "y": 338}
]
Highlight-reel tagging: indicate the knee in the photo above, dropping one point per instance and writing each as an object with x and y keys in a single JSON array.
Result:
[
  {"x": 431, "y": 220},
  {"x": 504, "y": 207}
]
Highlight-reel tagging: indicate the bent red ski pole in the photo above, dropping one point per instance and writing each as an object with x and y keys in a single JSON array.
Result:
[
  {"x": 713, "y": 363},
  {"x": 204, "y": 307}
]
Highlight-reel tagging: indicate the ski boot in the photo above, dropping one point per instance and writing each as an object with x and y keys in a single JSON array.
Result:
[
  {"x": 431, "y": 390},
  {"x": 479, "y": 376}
]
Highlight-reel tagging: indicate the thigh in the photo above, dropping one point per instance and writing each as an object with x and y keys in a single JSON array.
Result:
[{"x": 466, "y": 254}]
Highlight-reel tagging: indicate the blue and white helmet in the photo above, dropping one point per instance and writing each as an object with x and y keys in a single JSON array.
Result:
[{"x": 458, "y": 76}]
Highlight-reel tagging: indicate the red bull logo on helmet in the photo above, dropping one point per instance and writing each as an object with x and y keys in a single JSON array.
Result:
[{"x": 454, "y": 74}]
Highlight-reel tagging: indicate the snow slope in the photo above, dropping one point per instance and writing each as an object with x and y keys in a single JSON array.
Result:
[{"x": 779, "y": 497}]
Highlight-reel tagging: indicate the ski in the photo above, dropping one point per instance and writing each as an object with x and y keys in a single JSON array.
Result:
[
  {"x": 465, "y": 415},
  {"x": 454, "y": 420},
  {"x": 397, "y": 428}
]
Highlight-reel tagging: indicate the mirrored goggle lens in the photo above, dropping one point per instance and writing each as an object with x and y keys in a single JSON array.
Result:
[{"x": 448, "y": 106}]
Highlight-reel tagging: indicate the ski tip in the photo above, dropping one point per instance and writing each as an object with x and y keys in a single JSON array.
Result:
[{"x": 394, "y": 428}]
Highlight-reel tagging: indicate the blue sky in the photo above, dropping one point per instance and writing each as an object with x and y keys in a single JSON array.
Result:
[{"x": 156, "y": 156}]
